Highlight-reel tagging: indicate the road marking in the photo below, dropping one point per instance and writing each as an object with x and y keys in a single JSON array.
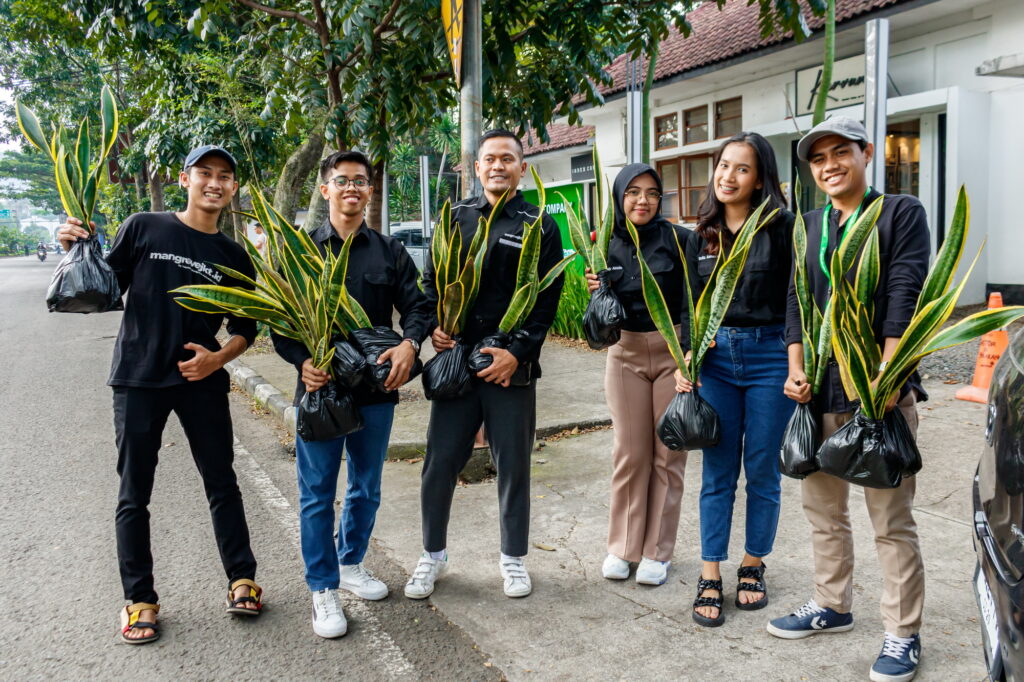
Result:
[{"x": 390, "y": 656}]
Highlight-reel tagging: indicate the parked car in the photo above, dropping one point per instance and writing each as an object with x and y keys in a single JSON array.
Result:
[
  {"x": 999, "y": 519},
  {"x": 411, "y": 236}
]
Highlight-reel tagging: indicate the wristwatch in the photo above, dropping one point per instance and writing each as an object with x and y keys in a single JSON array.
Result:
[{"x": 415, "y": 344}]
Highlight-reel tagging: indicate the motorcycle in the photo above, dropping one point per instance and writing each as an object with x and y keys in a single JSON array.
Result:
[{"x": 41, "y": 253}]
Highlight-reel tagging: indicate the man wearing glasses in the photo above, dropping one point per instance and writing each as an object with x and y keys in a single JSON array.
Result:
[{"x": 382, "y": 277}]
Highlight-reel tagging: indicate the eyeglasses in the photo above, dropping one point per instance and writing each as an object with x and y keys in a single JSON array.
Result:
[
  {"x": 341, "y": 182},
  {"x": 651, "y": 194}
]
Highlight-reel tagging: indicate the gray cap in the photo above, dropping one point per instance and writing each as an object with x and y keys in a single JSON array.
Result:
[
  {"x": 199, "y": 152},
  {"x": 843, "y": 126}
]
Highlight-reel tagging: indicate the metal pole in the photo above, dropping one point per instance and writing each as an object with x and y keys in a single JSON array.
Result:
[
  {"x": 385, "y": 212},
  {"x": 876, "y": 69},
  {"x": 425, "y": 196},
  {"x": 634, "y": 114},
  {"x": 470, "y": 113}
]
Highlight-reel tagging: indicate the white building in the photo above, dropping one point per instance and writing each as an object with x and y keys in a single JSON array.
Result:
[{"x": 956, "y": 87}]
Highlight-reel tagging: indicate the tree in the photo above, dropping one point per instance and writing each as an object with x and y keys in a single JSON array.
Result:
[{"x": 29, "y": 175}]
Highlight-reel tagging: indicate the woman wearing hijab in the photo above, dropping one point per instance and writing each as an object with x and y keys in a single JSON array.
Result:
[
  {"x": 743, "y": 374},
  {"x": 647, "y": 479}
]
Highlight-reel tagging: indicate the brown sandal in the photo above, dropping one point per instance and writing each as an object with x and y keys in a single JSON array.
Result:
[
  {"x": 234, "y": 606},
  {"x": 130, "y": 621}
]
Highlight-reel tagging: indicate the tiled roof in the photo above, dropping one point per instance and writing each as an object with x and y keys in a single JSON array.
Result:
[
  {"x": 723, "y": 34},
  {"x": 560, "y": 136}
]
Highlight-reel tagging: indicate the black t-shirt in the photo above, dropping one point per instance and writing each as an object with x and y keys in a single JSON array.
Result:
[{"x": 152, "y": 254}]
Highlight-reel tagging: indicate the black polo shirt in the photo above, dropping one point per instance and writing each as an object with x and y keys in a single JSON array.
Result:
[
  {"x": 658, "y": 246},
  {"x": 498, "y": 278},
  {"x": 760, "y": 296},
  {"x": 904, "y": 248},
  {"x": 382, "y": 277}
]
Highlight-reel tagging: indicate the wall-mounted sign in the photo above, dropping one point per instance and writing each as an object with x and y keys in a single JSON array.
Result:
[
  {"x": 581, "y": 167},
  {"x": 847, "y": 85}
]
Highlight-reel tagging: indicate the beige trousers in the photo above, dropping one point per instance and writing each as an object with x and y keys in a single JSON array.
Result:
[
  {"x": 647, "y": 479},
  {"x": 826, "y": 504}
]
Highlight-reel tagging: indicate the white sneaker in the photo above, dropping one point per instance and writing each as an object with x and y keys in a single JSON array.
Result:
[
  {"x": 615, "y": 568},
  {"x": 651, "y": 572},
  {"x": 360, "y": 582},
  {"x": 328, "y": 618},
  {"x": 517, "y": 580},
  {"x": 421, "y": 584}
]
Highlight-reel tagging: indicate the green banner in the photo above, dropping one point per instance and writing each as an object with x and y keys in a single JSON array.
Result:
[{"x": 556, "y": 207}]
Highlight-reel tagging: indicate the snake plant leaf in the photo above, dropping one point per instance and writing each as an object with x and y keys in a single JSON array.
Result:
[
  {"x": 868, "y": 272},
  {"x": 529, "y": 255},
  {"x": 227, "y": 296},
  {"x": 454, "y": 258},
  {"x": 657, "y": 307},
  {"x": 555, "y": 272},
  {"x": 940, "y": 276},
  {"x": 516, "y": 308},
  {"x": 453, "y": 299},
  {"x": 802, "y": 286},
  {"x": 973, "y": 326},
  {"x": 579, "y": 238},
  {"x": 30, "y": 128},
  {"x": 83, "y": 151},
  {"x": 688, "y": 293},
  {"x": 89, "y": 196},
  {"x": 68, "y": 196},
  {"x": 109, "y": 119}
]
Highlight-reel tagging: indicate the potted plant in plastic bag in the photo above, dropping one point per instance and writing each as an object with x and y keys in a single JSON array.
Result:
[
  {"x": 82, "y": 282},
  {"x": 457, "y": 279},
  {"x": 298, "y": 294},
  {"x": 875, "y": 448},
  {"x": 689, "y": 421},
  {"x": 604, "y": 316},
  {"x": 529, "y": 283}
]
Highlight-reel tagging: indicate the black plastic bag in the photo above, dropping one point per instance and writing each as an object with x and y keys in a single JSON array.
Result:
[
  {"x": 604, "y": 317},
  {"x": 372, "y": 343},
  {"x": 874, "y": 453},
  {"x": 689, "y": 423},
  {"x": 327, "y": 413},
  {"x": 798, "y": 454},
  {"x": 446, "y": 376},
  {"x": 83, "y": 282},
  {"x": 480, "y": 361},
  {"x": 348, "y": 364}
]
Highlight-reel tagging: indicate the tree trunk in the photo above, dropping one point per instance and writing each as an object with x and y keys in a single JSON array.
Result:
[
  {"x": 317, "y": 212},
  {"x": 141, "y": 179},
  {"x": 373, "y": 209},
  {"x": 237, "y": 219},
  {"x": 156, "y": 193},
  {"x": 296, "y": 171}
]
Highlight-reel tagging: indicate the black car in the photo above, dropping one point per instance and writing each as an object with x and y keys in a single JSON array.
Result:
[{"x": 999, "y": 519}]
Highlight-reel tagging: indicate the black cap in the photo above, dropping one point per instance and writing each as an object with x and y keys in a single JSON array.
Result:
[{"x": 199, "y": 152}]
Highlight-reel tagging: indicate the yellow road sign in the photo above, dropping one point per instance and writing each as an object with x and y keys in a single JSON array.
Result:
[{"x": 451, "y": 17}]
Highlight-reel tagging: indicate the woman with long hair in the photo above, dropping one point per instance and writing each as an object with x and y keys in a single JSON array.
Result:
[
  {"x": 744, "y": 372},
  {"x": 647, "y": 477}
]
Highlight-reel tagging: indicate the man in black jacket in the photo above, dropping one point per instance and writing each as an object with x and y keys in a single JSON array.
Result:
[
  {"x": 838, "y": 152},
  {"x": 503, "y": 396},
  {"x": 382, "y": 278}
]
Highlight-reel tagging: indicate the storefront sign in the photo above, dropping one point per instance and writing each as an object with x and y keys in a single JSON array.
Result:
[
  {"x": 847, "y": 85},
  {"x": 581, "y": 167}
]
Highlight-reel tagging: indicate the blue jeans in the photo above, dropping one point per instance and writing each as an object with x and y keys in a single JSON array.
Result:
[
  {"x": 317, "y": 465},
  {"x": 742, "y": 378}
]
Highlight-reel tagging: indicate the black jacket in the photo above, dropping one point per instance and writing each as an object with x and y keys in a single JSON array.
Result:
[
  {"x": 761, "y": 292},
  {"x": 498, "y": 278},
  {"x": 382, "y": 277},
  {"x": 904, "y": 247},
  {"x": 658, "y": 246}
]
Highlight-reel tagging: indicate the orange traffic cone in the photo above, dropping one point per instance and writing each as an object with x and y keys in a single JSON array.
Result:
[{"x": 992, "y": 347}]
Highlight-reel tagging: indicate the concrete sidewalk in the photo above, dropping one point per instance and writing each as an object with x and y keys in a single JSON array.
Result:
[{"x": 572, "y": 395}]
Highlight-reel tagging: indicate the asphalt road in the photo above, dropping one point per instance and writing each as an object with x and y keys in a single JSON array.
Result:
[{"x": 59, "y": 589}]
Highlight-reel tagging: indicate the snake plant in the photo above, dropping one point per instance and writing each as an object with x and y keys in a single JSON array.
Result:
[
  {"x": 707, "y": 315},
  {"x": 457, "y": 272},
  {"x": 856, "y": 349},
  {"x": 298, "y": 293},
  {"x": 594, "y": 253},
  {"x": 529, "y": 283},
  {"x": 76, "y": 173}
]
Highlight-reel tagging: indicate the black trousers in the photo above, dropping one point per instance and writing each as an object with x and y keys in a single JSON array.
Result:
[
  {"x": 510, "y": 417},
  {"x": 140, "y": 415}
]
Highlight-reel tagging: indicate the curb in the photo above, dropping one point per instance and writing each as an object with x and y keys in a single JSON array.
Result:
[{"x": 280, "y": 406}]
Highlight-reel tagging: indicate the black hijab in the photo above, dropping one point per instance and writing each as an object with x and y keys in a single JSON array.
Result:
[{"x": 622, "y": 180}]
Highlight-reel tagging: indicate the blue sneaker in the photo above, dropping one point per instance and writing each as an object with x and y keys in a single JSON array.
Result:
[
  {"x": 898, "y": 660},
  {"x": 810, "y": 619}
]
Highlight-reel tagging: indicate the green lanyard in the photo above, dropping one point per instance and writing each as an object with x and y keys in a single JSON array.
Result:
[{"x": 852, "y": 220}]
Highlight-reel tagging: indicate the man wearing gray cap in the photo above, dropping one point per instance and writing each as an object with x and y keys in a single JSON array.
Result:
[
  {"x": 838, "y": 152},
  {"x": 167, "y": 359}
]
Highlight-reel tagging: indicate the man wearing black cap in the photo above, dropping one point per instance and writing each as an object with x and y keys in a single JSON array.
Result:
[
  {"x": 838, "y": 152},
  {"x": 167, "y": 359}
]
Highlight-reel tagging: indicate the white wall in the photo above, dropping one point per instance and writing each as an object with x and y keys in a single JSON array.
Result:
[{"x": 1004, "y": 221}]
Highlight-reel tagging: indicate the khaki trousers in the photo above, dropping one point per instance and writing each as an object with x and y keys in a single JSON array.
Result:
[
  {"x": 647, "y": 479},
  {"x": 826, "y": 504}
]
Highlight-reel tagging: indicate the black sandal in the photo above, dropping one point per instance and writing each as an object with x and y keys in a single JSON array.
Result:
[
  {"x": 716, "y": 602},
  {"x": 255, "y": 596},
  {"x": 758, "y": 585}
]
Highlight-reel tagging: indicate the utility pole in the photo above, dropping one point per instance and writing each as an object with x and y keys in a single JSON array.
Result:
[
  {"x": 425, "y": 196},
  {"x": 876, "y": 71},
  {"x": 470, "y": 108},
  {"x": 634, "y": 111}
]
